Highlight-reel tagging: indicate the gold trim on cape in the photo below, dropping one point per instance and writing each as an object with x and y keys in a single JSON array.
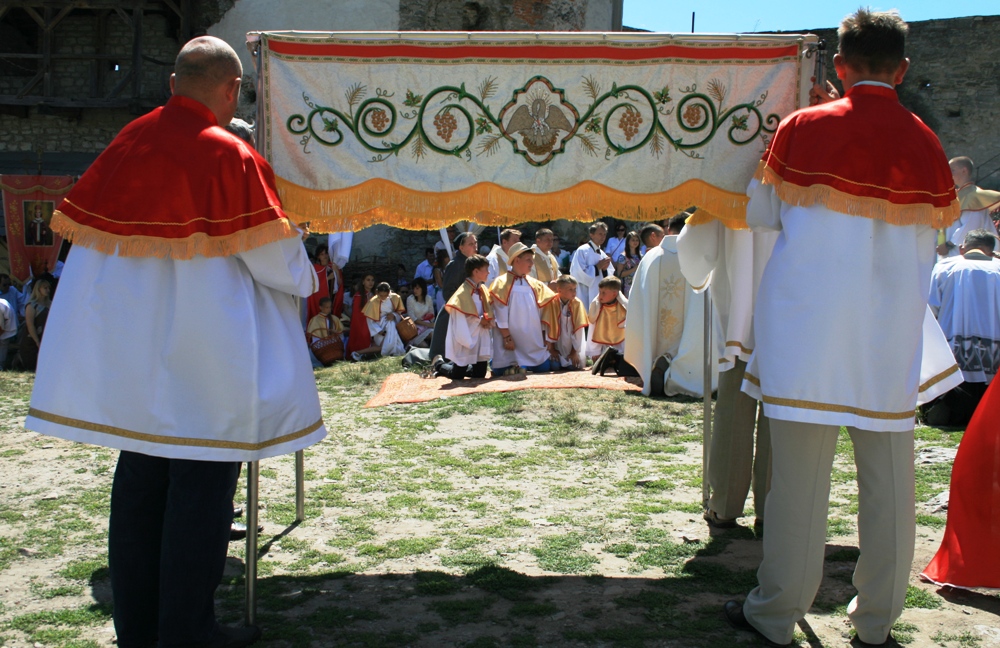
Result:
[{"x": 168, "y": 440}]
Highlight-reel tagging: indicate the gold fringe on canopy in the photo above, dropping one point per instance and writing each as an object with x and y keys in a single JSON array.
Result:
[
  {"x": 181, "y": 248},
  {"x": 701, "y": 217},
  {"x": 863, "y": 206},
  {"x": 381, "y": 202}
]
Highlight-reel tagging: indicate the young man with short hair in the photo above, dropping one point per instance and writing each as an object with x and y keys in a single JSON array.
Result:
[
  {"x": 839, "y": 335},
  {"x": 469, "y": 344}
]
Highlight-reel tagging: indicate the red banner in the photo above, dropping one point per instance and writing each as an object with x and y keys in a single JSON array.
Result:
[{"x": 29, "y": 202}]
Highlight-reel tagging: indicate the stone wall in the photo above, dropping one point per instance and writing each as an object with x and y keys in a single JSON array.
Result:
[{"x": 953, "y": 85}]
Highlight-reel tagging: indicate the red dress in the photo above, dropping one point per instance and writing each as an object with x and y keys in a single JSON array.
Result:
[
  {"x": 312, "y": 305},
  {"x": 358, "y": 337},
  {"x": 969, "y": 555}
]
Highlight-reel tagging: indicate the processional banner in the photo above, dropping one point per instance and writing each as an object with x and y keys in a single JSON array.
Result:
[
  {"x": 29, "y": 202},
  {"x": 419, "y": 130}
]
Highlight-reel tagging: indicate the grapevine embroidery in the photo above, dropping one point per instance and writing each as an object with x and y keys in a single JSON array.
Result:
[{"x": 538, "y": 122}]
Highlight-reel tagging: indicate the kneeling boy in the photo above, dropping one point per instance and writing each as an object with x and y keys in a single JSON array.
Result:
[
  {"x": 468, "y": 343},
  {"x": 569, "y": 347}
]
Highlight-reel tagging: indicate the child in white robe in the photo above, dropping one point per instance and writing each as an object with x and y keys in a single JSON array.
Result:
[
  {"x": 569, "y": 349},
  {"x": 468, "y": 342}
]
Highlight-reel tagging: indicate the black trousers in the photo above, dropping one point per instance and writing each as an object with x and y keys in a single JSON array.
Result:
[
  {"x": 458, "y": 372},
  {"x": 167, "y": 543}
]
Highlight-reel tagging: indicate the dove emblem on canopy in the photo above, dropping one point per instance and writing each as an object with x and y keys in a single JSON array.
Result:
[{"x": 539, "y": 121}]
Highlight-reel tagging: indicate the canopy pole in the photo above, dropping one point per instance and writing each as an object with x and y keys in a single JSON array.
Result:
[
  {"x": 250, "y": 577},
  {"x": 706, "y": 416}
]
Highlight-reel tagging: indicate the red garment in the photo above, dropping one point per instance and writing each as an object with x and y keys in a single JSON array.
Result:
[
  {"x": 814, "y": 159},
  {"x": 312, "y": 305},
  {"x": 358, "y": 337},
  {"x": 215, "y": 195},
  {"x": 969, "y": 555}
]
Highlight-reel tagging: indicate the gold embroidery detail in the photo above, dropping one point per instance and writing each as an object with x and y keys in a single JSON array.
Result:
[
  {"x": 184, "y": 224},
  {"x": 675, "y": 287},
  {"x": 938, "y": 378},
  {"x": 669, "y": 323},
  {"x": 167, "y": 440},
  {"x": 828, "y": 407}
]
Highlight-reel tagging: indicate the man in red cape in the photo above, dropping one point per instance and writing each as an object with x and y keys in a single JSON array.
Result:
[{"x": 968, "y": 556}]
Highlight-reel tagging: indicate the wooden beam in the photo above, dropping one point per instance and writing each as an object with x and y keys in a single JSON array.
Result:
[
  {"x": 57, "y": 102},
  {"x": 59, "y": 16},
  {"x": 97, "y": 64},
  {"x": 32, "y": 82},
  {"x": 121, "y": 84},
  {"x": 34, "y": 14},
  {"x": 47, "y": 54}
]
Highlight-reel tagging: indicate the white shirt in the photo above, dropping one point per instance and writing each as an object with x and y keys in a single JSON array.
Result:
[
  {"x": 840, "y": 318},
  {"x": 425, "y": 271},
  {"x": 570, "y": 340},
  {"x": 965, "y": 296},
  {"x": 200, "y": 359},
  {"x": 498, "y": 264},
  {"x": 8, "y": 320}
]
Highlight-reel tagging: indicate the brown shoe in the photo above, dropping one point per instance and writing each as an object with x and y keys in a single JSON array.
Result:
[
  {"x": 717, "y": 522},
  {"x": 733, "y": 611}
]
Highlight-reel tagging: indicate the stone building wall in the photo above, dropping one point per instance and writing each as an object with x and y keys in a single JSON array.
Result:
[{"x": 953, "y": 85}]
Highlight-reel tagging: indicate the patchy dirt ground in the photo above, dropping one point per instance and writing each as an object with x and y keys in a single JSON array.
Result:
[{"x": 563, "y": 518}]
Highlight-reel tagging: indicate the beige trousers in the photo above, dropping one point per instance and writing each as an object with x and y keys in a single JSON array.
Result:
[
  {"x": 796, "y": 512},
  {"x": 733, "y": 462}
]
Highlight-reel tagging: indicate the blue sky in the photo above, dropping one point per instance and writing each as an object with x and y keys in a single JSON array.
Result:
[{"x": 784, "y": 15}]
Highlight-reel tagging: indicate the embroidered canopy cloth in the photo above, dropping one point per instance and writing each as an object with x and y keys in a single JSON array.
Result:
[{"x": 419, "y": 130}]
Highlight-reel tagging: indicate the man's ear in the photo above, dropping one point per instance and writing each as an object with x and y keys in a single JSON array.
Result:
[
  {"x": 901, "y": 71},
  {"x": 839, "y": 65},
  {"x": 173, "y": 82}
]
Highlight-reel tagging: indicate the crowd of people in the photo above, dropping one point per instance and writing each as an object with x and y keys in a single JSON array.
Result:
[{"x": 826, "y": 302}]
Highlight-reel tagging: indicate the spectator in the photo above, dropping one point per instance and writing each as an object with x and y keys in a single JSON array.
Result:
[
  {"x": 439, "y": 266},
  {"x": 324, "y": 325},
  {"x": 615, "y": 245},
  {"x": 420, "y": 309},
  {"x": 358, "y": 337},
  {"x": 331, "y": 284},
  {"x": 12, "y": 296},
  {"x": 562, "y": 256},
  {"x": 628, "y": 261},
  {"x": 454, "y": 275},
  {"x": 425, "y": 270},
  {"x": 382, "y": 312},
  {"x": 8, "y": 329},
  {"x": 35, "y": 314}
]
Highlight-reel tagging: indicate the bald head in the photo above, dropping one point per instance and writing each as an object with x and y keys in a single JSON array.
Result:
[
  {"x": 208, "y": 70},
  {"x": 206, "y": 61}
]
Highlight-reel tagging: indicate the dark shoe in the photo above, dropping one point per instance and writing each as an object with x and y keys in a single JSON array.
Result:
[
  {"x": 656, "y": 377},
  {"x": 601, "y": 359},
  {"x": 234, "y": 637},
  {"x": 717, "y": 522},
  {"x": 758, "y": 525},
  {"x": 238, "y": 531},
  {"x": 888, "y": 643},
  {"x": 733, "y": 611},
  {"x": 238, "y": 512}
]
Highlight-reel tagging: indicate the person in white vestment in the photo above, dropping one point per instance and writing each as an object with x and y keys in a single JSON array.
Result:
[
  {"x": 546, "y": 268},
  {"x": 976, "y": 206},
  {"x": 570, "y": 346},
  {"x": 664, "y": 332},
  {"x": 590, "y": 263},
  {"x": 728, "y": 263},
  {"x": 468, "y": 341},
  {"x": 965, "y": 298},
  {"x": 177, "y": 340},
  {"x": 498, "y": 256},
  {"x": 521, "y": 339},
  {"x": 382, "y": 313},
  {"x": 855, "y": 188}
]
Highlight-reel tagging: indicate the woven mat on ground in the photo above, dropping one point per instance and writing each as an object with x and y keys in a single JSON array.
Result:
[{"x": 411, "y": 388}]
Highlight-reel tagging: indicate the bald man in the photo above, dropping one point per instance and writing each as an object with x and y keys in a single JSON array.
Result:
[
  {"x": 179, "y": 240},
  {"x": 976, "y": 206}
]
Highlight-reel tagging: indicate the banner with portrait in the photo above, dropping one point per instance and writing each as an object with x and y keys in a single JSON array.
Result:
[
  {"x": 420, "y": 130},
  {"x": 28, "y": 204}
]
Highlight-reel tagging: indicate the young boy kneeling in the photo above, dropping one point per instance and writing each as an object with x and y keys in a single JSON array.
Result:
[
  {"x": 569, "y": 348},
  {"x": 468, "y": 344},
  {"x": 606, "y": 342}
]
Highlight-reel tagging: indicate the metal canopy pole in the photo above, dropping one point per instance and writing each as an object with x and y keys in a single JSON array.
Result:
[
  {"x": 253, "y": 477},
  {"x": 300, "y": 489},
  {"x": 706, "y": 420}
]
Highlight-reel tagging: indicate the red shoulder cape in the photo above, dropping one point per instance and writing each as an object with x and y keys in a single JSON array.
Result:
[
  {"x": 175, "y": 184},
  {"x": 862, "y": 155}
]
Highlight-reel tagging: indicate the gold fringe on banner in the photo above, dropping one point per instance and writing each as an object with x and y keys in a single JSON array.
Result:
[
  {"x": 381, "y": 202},
  {"x": 181, "y": 249},
  {"x": 863, "y": 206},
  {"x": 49, "y": 191}
]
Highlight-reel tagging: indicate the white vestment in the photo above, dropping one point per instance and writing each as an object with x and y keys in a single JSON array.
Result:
[
  {"x": 584, "y": 270},
  {"x": 968, "y": 221},
  {"x": 965, "y": 296},
  {"x": 522, "y": 317},
  {"x": 550, "y": 258},
  {"x": 595, "y": 348},
  {"x": 570, "y": 340},
  {"x": 466, "y": 342},
  {"x": 201, "y": 359},
  {"x": 840, "y": 342},
  {"x": 392, "y": 344},
  {"x": 666, "y": 317},
  {"x": 498, "y": 264}
]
